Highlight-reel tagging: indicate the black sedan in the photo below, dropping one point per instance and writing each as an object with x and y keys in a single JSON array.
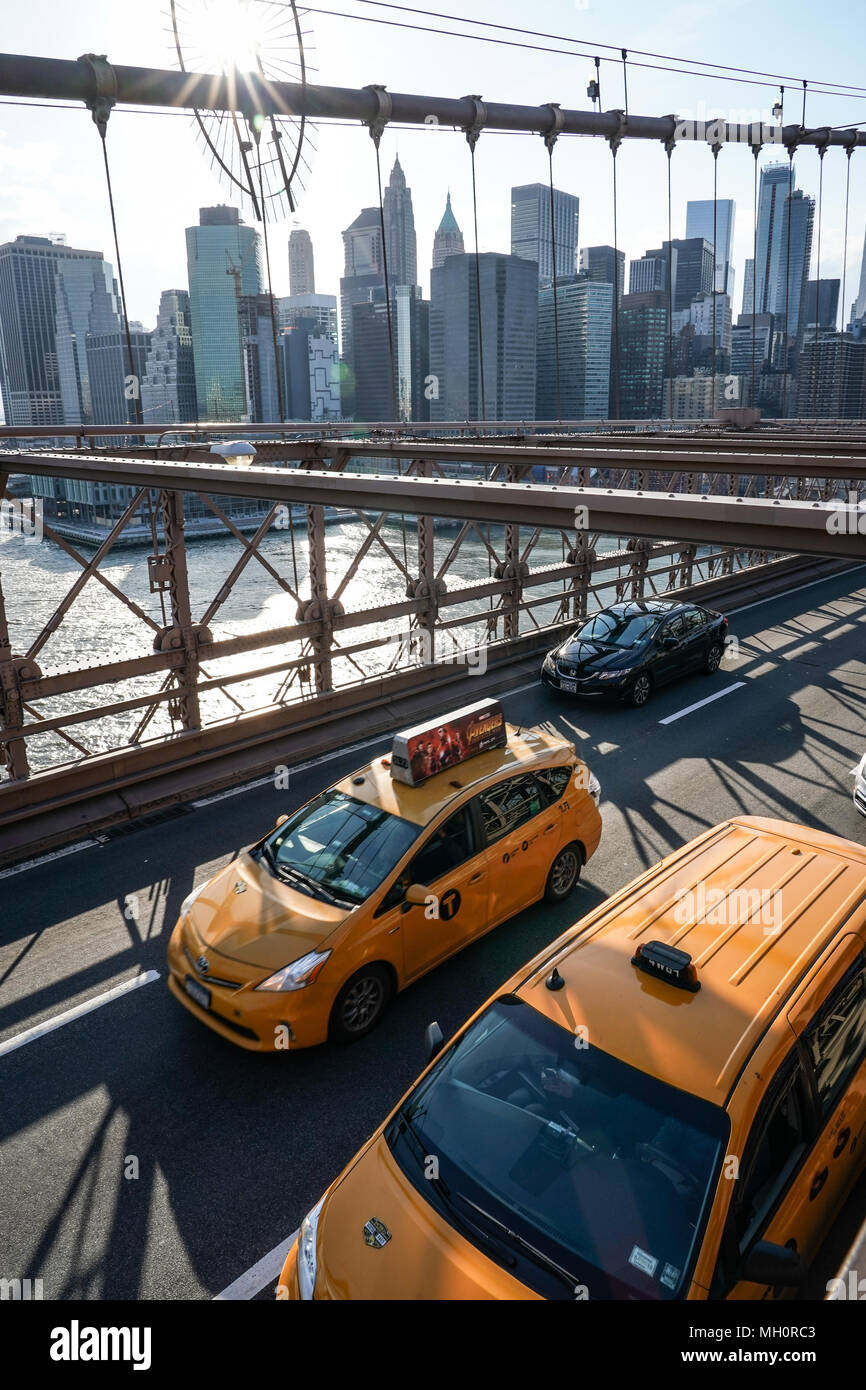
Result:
[{"x": 630, "y": 648}]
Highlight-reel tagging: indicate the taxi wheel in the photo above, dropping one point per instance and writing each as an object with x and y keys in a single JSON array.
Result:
[
  {"x": 564, "y": 873},
  {"x": 714, "y": 656},
  {"x": 360, "y": 1004}
]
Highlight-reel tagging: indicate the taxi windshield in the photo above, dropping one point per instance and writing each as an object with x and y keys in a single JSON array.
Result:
[
  {"x": 585, "y": 1176},
  {"x": 338, "y": 848},
  {"x": 617, "y": 629}
]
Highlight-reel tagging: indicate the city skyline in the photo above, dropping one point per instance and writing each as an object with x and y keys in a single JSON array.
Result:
[{"x": 46, "y": 156}]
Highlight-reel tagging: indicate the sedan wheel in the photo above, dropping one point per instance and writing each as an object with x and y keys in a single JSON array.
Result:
[
  {"x": 360, "y": 1004},
  {"x": 714, "y": 657},
  {"x": 641, "y": 690}
]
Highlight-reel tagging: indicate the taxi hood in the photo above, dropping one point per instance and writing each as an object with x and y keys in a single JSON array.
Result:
[
  {"x": 379, "y": 1238},
  {"x": 247, "y": 914}
]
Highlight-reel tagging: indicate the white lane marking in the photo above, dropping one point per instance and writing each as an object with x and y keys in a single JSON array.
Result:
[
  {"x": 799, "y": 589},
  {"x": 699, "y": 704},
  {"x": 40, "y": 1029},
  {"x": 262, "y": 1273},
  {"x": 46, "y": 858}
]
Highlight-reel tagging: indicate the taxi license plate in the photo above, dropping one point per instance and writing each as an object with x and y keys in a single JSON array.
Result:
[
  {"x": 197, "y": 992},
  {"x": 569, "y": 686}
]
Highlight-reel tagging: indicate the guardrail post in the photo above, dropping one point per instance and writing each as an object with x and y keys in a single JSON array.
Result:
[
  {"x": 181, "y": 612},
  {"x": 11, "y": 707},
  {"x": 318, "y": 610}
]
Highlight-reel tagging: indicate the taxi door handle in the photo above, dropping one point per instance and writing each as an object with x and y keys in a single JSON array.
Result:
[
  {"x": 476, "y": 878},
  {"x": 817, "y": 1183},
  {"x": 549, "y": 829},
  {"x": 841, "y": 1142}
]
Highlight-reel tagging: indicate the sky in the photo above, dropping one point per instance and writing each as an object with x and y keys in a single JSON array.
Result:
[{"x": 52, "y": 180}]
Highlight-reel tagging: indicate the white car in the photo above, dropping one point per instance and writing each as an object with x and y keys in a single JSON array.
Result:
[{"x": 860, "y": 786}]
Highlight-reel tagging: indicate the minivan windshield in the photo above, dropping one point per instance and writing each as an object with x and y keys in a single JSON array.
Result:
[
  {"x": 338, "y": 848},
  {"x": 587, "y": 1177},
  {"x": 617, "y": 629}
]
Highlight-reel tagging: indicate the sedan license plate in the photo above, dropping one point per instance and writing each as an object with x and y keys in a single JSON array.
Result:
[
  {"x": 569, "y": 687},
  {"x": 197, "y": 992}
]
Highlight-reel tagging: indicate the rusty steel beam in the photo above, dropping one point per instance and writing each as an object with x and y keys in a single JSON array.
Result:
[{"x": 776, "y": 525}]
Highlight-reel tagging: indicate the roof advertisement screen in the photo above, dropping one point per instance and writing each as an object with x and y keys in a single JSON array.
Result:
[{"x": 429, "y": 748}]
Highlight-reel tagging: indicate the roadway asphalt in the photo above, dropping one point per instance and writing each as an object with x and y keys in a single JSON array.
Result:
[{"x": 231, "y": 1148}]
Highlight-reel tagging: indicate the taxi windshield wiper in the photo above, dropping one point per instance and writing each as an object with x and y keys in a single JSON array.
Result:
[
  {"x": 512, "y": 1237},
  {"x": 289, "y": 874},
  {"x": 504, "y": 1255}
]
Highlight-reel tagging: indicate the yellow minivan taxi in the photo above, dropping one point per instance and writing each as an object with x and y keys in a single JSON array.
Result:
[
  {"x": 308, "y": 934},
  {"x": 669, "y": 1102}
]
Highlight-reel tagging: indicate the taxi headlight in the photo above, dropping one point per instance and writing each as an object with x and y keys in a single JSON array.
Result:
[
  {"x": 594, "y": 788},
  {"x": 191, "y": 897},
  {"x": 298, "y": 975},
  {"x": 307, "y": 1251}
]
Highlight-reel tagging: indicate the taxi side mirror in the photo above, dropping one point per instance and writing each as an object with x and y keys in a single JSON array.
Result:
[
  {"x": 281, "y": 820},
  {"x": 433, "y": 1041},
  {"x": 767, "y": 1263},
  {"x": 416, "y": 895}
]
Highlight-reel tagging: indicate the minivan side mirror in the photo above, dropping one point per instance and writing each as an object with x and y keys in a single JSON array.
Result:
[
  {"x": 433, "y": 1041},
  {"x": 767, "y": 1263},
  {"x": 281, "y": 820}
]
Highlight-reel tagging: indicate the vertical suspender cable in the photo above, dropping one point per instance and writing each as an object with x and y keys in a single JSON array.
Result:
[
  {"x": 616, "y": 401},
  {"x": 848, "y": 152},
  {"x": 787, "y": 282},
  {"x": 277, "y": 372},
  {"x": 713, "y": 281},
  {"x": 822, "y": 150},
  {"x": 550, "y": 141},
  {"x": 376, "y": 128},
  {"x": 129, "y": 357},
  {"x": 756, "y": 150},
  {"x": 483, "y": 392},
  {"x": 669, "y": 149}
]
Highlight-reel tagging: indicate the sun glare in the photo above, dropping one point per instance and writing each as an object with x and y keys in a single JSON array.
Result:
[{"x": 230, "y": 35}]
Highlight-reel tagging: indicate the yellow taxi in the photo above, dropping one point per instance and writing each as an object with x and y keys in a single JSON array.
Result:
[
  {"x": 669, "y": 1102},
  {"x": 308, "y": 934}
]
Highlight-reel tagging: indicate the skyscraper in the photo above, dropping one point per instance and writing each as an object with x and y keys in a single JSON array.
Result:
[
  {"x": 168, "y": 383},
  {"x": 692, "y": 268},
  {"x": 859, "y": 308},
  {"x": 596, "y": 262},
  {"x": 642, "y": 355},
  {"x": 530, "y": 229},
  {"x": 748, "y": 286},
  {"x": 364, "y": 271},
  {"x": 292, "y": 308},
  {"x": 509, "y": 314},
  {"x": 51, "y": 297},
  {"x": 699, "y": 223},
  {"x": 784, "y": 249},
  {"x": 302, "y": 269},
  {"x": 111, "y": 401},
  {"x": 584, "y": 314},
  {"x": 822, "y": 303},
  {"x": 224, "y": 260},
  {"x": 649, "y": 272},
  {"x": 448, "y": 240},
  {"x": 400, "y": 239},
  {"x": 410, "y": 328}
]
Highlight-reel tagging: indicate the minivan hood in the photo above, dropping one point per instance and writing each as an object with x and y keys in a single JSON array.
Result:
[
  {"x": 424, "y": 1258},
  {"x": 264, "y": 923}
]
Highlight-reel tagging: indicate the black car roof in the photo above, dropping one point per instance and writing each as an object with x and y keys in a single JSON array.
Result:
[{"x": 650, "y": 605}]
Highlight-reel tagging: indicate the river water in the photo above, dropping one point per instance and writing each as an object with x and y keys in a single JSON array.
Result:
[{"x": 99, "y": 628}]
